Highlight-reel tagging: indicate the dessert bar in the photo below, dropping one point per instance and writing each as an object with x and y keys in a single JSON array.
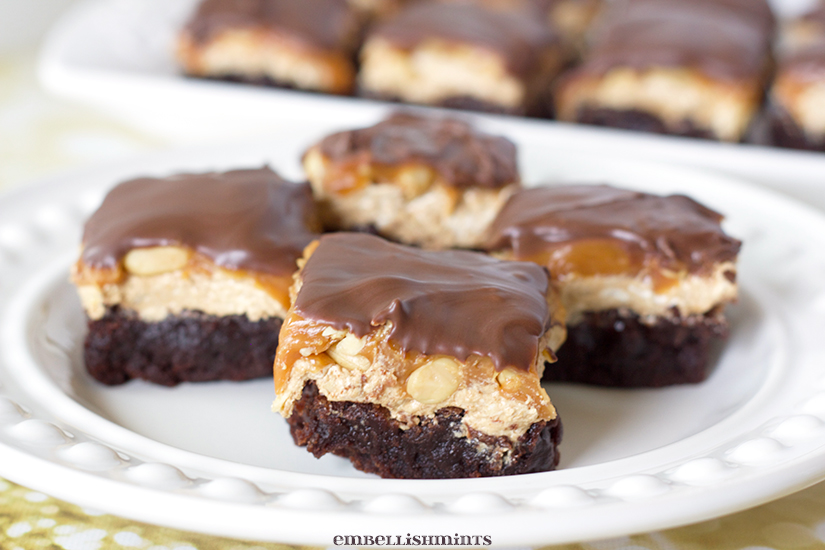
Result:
[
  {"x": 797, "y": 97},
  {"x": 419, "y": 364},
  {"x": 644, "y": 279},
  {"x": 462, "y": 55},
  {"x": 306, "y": 44},
  {"x": 186, "y": 278},
  {"x": 434, "y": 182},
  {"x": 692, "y": 68}
]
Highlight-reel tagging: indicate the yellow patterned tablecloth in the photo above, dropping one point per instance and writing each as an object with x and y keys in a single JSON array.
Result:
[
  {"x": 30, "y": 520},
  {"x": 40, "y": 135}
]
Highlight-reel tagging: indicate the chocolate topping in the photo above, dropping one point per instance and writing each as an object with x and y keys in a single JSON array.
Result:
[
  {"x": 243, "y": 219},
  {"x": 454, "y": 303},
  {"x": 807, "y": 61},
  {"x": 517, "y": 37},
  {"x": 326, "y": 24},
  {"x": 674, "y": 231},
  {"x": 816, "y": 15},
  {"x": 726, "y": 39},
  {"x": 462, "y": 156},
  {"x": 753, "y": 12}
]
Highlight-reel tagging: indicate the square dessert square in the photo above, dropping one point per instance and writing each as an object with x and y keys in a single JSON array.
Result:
[
  {"x": 797, "y": 97},
  {"x": 462, "y": 55},
  {"x": 419, "y": 364},
  {"x": 644, "y": 279},
  {"x": 309, "y": 45},
  {"x": 666, "y": 66},
  {"x": 432, "y": 182},
  {"x": 187, "y": 278}
]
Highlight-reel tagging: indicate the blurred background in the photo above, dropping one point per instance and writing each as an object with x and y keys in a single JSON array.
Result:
[{"x": 41, "y": 134}]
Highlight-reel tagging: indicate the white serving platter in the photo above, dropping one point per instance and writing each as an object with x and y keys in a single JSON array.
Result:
[
  {"x": 117, "y": 55},
  {"x": 212, "y": 457}
]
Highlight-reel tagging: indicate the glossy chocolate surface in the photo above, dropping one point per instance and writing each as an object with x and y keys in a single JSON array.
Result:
[
  {"x": 725, "y": 39},
  {"x": 462, "y": 156},
  {"x": 244, "y": 219},
  {"x": 455, "y": 303},
  {"x": 518, "y": 37},
  {"x": 675, "y": 231},
  {"x": 327, "y": 24},
  {"x": 753, "y": 12},
  {"x": 807, "y": 62}
]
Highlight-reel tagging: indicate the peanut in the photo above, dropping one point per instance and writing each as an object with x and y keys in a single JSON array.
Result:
[
  {"x": 156, "y": 260},
  {"x": 434, "y": 382}
]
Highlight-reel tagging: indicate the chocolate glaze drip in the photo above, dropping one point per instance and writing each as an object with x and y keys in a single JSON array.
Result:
[
  {"x": 327, "y": 24},
  {"x": 455, "y": 303},
  {"x": 519, "y": 38},
  {"x": 675, "y": 231},
  {"x": 725, "y": 39},
  {"x": 243, "y": 219},
  {"x": 462, "y": 156}
]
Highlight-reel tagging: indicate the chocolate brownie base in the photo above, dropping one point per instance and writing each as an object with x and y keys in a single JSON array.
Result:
[
  {"x": 614, "y": 348},
  {"x": 190, "y": 347},
  {"x": 785, "y": 132},
  {"x": 467, "y": 103},
  {"x": 375, "y": 443},
  {"x": 640, "y": 121},
  {"x": 262, "y": 81}
]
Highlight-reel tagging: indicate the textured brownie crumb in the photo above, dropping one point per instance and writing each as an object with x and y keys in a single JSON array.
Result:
[
  {"x": 541, "y": 109},
  {"x": 260, "y": 81},
  {"x": 189, "y": 347},
  {"x": 785, "y": 132},
  {"x": 640, "y": 121},
  {"x": 615, "y": 348},
  {"x": 435, "y": 448}
]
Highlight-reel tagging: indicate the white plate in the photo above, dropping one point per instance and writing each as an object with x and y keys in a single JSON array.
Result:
[
  {"x": 212, "y": 458},
  {"x": 117, "y": 55}
]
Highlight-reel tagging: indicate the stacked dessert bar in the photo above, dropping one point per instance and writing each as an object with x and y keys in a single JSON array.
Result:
[
  {"x": 412, "y": 359},
  {"x": 693, "y": 68},
  {"x": 644, "y": 279},
  {"x": 186, "y": 278},
  {"x": 430, "y": 182},
  {"x": 420, "y": 364},
  {"x": 797, "y": 98},
  {"x": 309, "y": 44},
  {"x": 464, "y": 55}
]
